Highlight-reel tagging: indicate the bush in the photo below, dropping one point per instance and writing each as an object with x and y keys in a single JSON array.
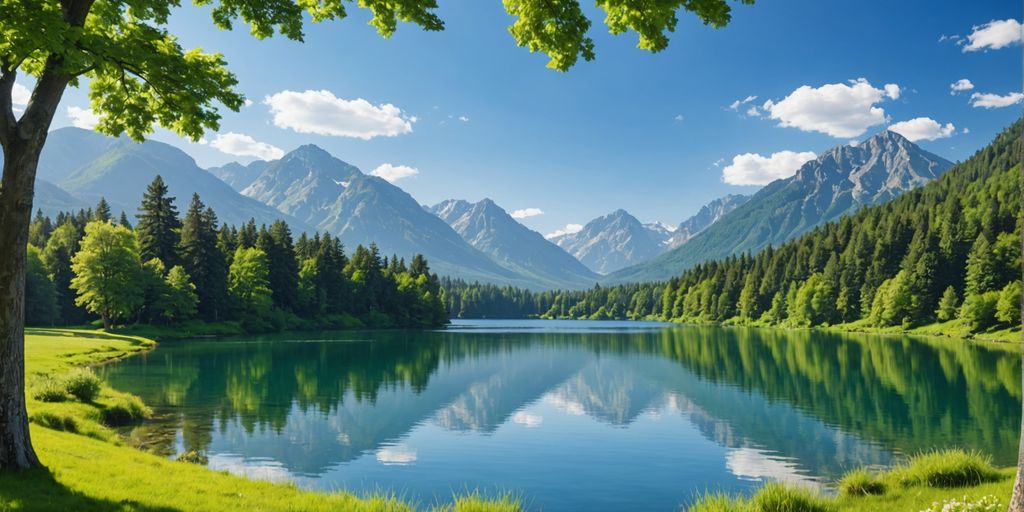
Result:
[
  {"x": 979, "y": 310},
  {"x": 777, "y": 497},
  {"x": 946, "y": 468},
  {"x": 861, "y": 482},
  {"x": 48, "y": 389},
  {"x": 984, "y": 504},
  {"x": 82, "y": 384},
  {"x": 124, "y": 410},
  {"x": 193, "y": 457}
]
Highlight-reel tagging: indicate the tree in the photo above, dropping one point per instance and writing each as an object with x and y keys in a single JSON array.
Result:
[
  {"x": 107, "y": 272},
  {"x": 203, "y": 259},
  {"x": 948, "y": 304},
  {"x": 40, "y": 293},
  {"x": 249, "y": 280},
  {"x": 158, "y": 224},
  {"x": 180, "y": 300},
  {"x": 1008, "y": 306},
  {"x": 60, "y": 248}
]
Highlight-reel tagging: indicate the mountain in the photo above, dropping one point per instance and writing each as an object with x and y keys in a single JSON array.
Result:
[
  {"x": 334, "y": 196},
  {"x": 237, "y": 175},
  {"x": 837, "y": 183},
  {"x": 122, "y": 172},
  {"x": 69, "y": 149},
  {"x": 491, "y": 230},
  {"x": 52, "y": 200},
  {"x": 305, "y": 183},
  {"x": 708, "y": 215},
  {"x": 614, "y": 241}
]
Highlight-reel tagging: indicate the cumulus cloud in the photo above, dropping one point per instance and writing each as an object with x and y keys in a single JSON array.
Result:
[
  {"x": 994, "y": 35},
  {"x": 527, "y": 213},
  {"x": 322, "y": 113},
  {"x": 960, "y": 86},
  {"x": 987, "y": 100},
  {"x": 569, "y": 229},
  {"x": 755, "y": 169},
  {"x": 464, "y": 119},
  {"x": 240, "y": 144},
  {"x": 393, "y": 173},
  {"x": 20, "y": 95},
  {"x": 923, "y": 128},
  {"x": 248, "y": 102},
  {"x": 841, "y": 110},
  {"x": 83, "y": 117}
]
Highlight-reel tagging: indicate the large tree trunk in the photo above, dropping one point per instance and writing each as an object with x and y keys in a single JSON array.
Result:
[
  {"x": 22, "y": 141},
  {"x": 20, "y": 159}
]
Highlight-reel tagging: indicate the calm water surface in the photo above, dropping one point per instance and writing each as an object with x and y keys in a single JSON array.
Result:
[{"x": 570, "y": 415}]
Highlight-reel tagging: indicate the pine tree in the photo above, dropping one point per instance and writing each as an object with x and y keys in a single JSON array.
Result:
[
  {"x": 203, "y": 260},
  {"x": 123, "y": 221},
  {"x": 158, "y": 225},
  {"x": 948, "y": 304},
  {"x": 102, "y": 212}
]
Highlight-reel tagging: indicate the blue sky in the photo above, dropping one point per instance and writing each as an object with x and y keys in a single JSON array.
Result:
[{"x": 650, "y": 133}]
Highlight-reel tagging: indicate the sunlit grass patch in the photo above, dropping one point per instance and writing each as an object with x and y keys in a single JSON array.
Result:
[
  {"x": 946, "y": 468},
  {"x": 477, "y": 502},
  {"x": 861, "y": 482}
]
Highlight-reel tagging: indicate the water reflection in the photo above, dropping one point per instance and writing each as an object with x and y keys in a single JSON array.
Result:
[{"x": 569, "y": 414}]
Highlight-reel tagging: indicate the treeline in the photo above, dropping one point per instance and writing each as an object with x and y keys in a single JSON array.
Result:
[
  {"x": 168, "y": 269},
  {"x": 950, "y": 250}
]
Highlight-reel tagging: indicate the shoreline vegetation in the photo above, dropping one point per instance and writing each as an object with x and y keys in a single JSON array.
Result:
[{"x": 92, "y": 468}]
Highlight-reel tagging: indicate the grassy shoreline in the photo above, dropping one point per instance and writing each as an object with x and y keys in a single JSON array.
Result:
[{"x": 90, "y": 468}]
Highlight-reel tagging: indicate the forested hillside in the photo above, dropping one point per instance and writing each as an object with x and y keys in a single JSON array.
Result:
[
  {"x": 167, "y": 270},
  {"x": 949, "y": 251}
]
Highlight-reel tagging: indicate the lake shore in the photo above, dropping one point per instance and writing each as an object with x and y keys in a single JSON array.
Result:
[{"x": 89, "y": 467}]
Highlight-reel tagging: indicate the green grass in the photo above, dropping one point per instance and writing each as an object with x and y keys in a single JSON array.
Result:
[
  {"x": 917, "y": 484},
  {"x": 90, "y": 469},
  {"x": 951, "y": 329}
]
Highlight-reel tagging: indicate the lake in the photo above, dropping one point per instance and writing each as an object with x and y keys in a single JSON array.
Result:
[{"x": 570, "y": 415}]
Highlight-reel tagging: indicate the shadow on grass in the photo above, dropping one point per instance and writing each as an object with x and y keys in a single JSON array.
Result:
[
  {"x": 82, "y": 333},
  {"x": 37, "y": 489}
]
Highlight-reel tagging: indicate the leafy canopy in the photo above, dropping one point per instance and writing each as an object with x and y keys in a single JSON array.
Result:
[{"x": 139, "y": 74}]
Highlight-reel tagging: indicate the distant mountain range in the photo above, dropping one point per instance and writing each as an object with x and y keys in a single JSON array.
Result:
[
  {"x": 837, "y": 183},
  {"x": 491, "y": 230},
  {"x": 314, "y": 191}
]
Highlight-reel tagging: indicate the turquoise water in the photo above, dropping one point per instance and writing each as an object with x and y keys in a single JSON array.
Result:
[{"x": 570, "y": 415}]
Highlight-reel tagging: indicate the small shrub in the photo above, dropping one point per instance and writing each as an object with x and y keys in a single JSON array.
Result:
[
  {"x": 947, "y": 468},
  {"x": 777, "y": 497},
  {"x": 193, "y": 457},
  {"x": 82, "y": 384},
  {"x": 48, "y": 389},
  {"x": 984, "y": 504},
  {"x": 861, "y": 482},
  {"x": 55, "y": 421},
  {"x": 124, "y": 410},
  {"x": 719, "y": 502}
]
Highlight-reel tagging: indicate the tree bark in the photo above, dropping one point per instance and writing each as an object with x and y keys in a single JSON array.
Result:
[
  {"x": 22, "y": 142},
  {"x": 20, "y": 161}
]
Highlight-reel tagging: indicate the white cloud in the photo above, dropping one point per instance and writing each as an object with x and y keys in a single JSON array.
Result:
[
  {"x": 83, "y": 117},
  {"x": 322, "y": 113},
  {"x": 240, "y": 144},
  {"x": 526, "y": 213},
  {"x": 736, "y": 104},
  {"x": 755, "y": 169},
  {"x": 966, "y": 130},
  {"x": 994, "y": 35},
  {"x": 464, "y": 119},
  {"x": 753, "y": 111},
  {"x": 960, "y": 85},
  {"x": 839, "y": 110},
  {"x": 987, "y": 100},
  {"x": 393, "y": 173},
  {"x": 569, "y": 229},
  {"x": 20, "y": 95},
  {"x": 248, "y": 102},
  {"x": 679, "y": 118},
  {"x": 718, "y": 163},
  {"x": 923, "y": 128}
]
